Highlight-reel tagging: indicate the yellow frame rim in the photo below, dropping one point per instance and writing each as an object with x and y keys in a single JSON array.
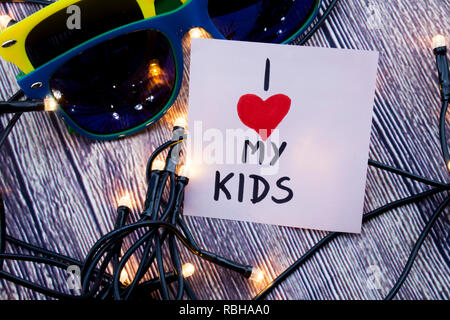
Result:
[{"x": 18, "y": 32}]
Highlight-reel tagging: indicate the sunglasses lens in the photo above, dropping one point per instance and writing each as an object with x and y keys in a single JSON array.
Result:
[
  {"x": 273, "y": 21},
  {"x": 117, "y": 85},
  {"x": 76, "y": 24}
]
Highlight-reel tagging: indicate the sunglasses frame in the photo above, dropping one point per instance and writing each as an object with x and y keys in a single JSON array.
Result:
[
  {"x": 173, "y": 25},
  {"x": 13, "y": 38}
]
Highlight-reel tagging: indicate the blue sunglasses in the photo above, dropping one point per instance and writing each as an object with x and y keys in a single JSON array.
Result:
[{"x": 124, "y": 80}]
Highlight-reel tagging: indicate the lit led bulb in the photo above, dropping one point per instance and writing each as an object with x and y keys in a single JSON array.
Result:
[
  {"x": 189, "y": 169},
  {"x": 439, "y": 41},
  {"x": 448, "y": 166},
  {"x": 188, "y": 270},
  {"x": 50, "y": 104},
  {"x": 124, "y": 278},
  {"x": 180, "y": 122},
  {"x": 125, "y": 201},
  {"x": 183, "y": 171},
  {"x": 4, "y": 21},
  {"x": 158, "y": 165},
  {"x": 195, "y": 33},
  {"x": 257, "y": 275}
]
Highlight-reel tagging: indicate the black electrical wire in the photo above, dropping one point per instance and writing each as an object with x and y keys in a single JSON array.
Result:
[
  {"x": 395, "y": 204},
  {"x": 443, "y": 135},
  {"x": 29, "y": 284},
  {"x": 172, "y": 244},
  {"x": 19, "y": 94},
  {"x": 4, "y": 134},
  {"x": 145, "y": 263},
  {"x": 160, "y": 268},
  {"x": 2, "y": 229},
  {"x": 44, "y": 252},
  {"x": 153, "y": 202},
  {"x": 128, "y": 291},
  {"x": 99, "y": 272},
  {"x": 102, "y": 244},
  {"x": 329, "y": 237},
  {"x": 22, "y": 106},
  {"x": 416, "y": 248},
  {"x": 172, "y": 208},
  {"x": 406, "y": 174},
  {"x": 141, "y": 267}
]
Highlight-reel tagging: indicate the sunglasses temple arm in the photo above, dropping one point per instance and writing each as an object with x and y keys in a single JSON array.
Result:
[{"x": 319, "y": 23}]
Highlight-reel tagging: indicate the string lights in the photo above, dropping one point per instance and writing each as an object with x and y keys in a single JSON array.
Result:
[
  {"x": 102, "y": 273},
  {"x": 161, "y": 222},
  {"x": 180, "y": 122}
]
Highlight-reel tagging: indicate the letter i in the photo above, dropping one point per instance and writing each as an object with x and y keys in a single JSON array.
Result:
[
  {"x": 267, "y": 75},
  {"x": 241, "y": 187}
]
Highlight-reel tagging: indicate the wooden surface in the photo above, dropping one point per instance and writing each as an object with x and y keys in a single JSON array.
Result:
[{"x": 61, "y": 189}]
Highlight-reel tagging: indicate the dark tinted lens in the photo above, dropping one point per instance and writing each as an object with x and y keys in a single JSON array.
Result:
[
  {"x": 164, "y": 6},
  {"x": 272, "y": 21},
  {"x": 117, "y": 85},
  {"x": 57, "y": 34}
]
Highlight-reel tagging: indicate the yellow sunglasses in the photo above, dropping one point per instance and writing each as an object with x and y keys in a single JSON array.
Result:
[{"x": 65, "y": 24}]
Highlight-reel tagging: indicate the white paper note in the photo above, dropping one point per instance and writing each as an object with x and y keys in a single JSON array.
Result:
[{"x": 279, "y": 134}]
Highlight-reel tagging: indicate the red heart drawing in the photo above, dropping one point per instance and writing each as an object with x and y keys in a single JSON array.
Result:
[{"x": 263, "y": 116}]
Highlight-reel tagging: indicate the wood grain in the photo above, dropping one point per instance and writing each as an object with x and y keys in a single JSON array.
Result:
[{"x": 61, "y": 190}]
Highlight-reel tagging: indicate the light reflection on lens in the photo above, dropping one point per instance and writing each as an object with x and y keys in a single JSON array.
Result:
[{"x": 119, "y": 84}]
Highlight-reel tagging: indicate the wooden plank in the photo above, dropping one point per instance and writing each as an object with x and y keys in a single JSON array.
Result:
[{"x": 62, "y": 189}]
